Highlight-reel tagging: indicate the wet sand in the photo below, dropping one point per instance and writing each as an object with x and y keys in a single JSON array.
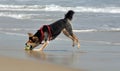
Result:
[
  {"x": 13, "y": 64},
  {"x": 97, "y": 53}
]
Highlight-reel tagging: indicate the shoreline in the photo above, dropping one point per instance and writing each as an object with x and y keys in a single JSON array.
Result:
[{"x": 98, "y": 52}]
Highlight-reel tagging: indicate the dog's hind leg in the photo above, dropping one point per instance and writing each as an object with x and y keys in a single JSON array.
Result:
[
  {"x": 75, "y": 40},
  {"x": 73, "y": 37}
]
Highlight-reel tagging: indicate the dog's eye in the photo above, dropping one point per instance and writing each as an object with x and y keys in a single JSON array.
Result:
[
  {"x": 25, "y": 43},
  {"x": 31, "y": 39}
]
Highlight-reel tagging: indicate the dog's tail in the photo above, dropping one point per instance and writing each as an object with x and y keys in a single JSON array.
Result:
[{"x": 69, "y": 14}]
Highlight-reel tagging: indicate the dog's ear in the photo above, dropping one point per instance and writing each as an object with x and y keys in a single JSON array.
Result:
[{"x": 30, "y": 34}]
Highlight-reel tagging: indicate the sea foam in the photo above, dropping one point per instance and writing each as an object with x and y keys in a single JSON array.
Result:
[{"x": 53, "y": 7}]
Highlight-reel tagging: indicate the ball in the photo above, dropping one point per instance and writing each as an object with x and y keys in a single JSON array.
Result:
[{"x": 27, "y": 48}]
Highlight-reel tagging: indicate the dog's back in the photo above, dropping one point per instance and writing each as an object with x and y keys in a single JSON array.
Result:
[
  {"x": 61, "y": 24},
  {"x": 57, "y": 27}
]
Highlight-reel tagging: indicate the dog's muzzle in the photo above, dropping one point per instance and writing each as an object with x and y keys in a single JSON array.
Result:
[{"x": 28, "y": 47}]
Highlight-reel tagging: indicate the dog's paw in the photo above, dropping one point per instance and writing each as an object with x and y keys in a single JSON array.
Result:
[
  {"x": 40, "y": 49},
  {"x": 37, "y": 49},
  {"x": 74, "y": 43},
  {"x": 78, "y": 45}
]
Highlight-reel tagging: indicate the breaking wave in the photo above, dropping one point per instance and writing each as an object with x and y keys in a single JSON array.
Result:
[
  {"x": 59, "y": 8},
  {"x": 98, "y": 30}
]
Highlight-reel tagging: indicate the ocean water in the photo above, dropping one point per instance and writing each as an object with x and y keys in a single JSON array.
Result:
[
  {"x": 18, "y": 17},
  {"x": 91, "y": 15}
]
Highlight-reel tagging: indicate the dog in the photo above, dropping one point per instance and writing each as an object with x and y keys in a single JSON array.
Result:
[{"x": 49, "y": 32}]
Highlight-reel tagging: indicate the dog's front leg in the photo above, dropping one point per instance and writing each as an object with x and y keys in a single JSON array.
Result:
[{"x": 44, "y": 45}]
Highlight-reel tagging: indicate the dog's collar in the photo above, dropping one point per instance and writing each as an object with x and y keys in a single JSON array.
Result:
[
  {"x": 49, "y": 32},
  {"x": 40, "y": 33}
]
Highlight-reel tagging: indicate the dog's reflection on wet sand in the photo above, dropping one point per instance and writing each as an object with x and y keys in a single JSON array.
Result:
[
  {"x": 58, "y": 57},
  {"x": 37, "y": 55}
]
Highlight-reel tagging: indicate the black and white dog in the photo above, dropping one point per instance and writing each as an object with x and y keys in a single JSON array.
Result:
[{"x": 50, "y": 32}]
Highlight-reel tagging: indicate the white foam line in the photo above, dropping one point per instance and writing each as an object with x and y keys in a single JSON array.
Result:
[
  {"x": 102, "y": 42},
  {"x": 16, "y": 29},
  {"x": 87, "y": 30},
  {"x": 17, "y": 16},
  {"x": 77, "y": 31},
  {"x": 14, "y": 34},
  {"x": 98, "y": 30}
]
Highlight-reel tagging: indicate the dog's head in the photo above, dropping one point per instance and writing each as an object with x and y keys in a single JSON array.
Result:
[
  {"x": 69, "y": 14},
  {"x": 32, "y": 42},
  {"x": 37, "y": 38}
]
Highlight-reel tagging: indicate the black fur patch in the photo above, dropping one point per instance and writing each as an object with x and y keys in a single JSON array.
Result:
[{"x": 69, "y": 14}]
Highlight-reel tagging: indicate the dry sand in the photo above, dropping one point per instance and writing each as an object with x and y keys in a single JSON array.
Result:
[{"x": 12, "y": 64}]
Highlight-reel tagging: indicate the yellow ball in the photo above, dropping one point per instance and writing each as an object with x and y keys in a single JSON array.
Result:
[{"x": 27, "y": 48}]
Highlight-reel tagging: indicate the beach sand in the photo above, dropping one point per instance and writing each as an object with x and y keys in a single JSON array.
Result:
[{"x": 13, "y": 64}]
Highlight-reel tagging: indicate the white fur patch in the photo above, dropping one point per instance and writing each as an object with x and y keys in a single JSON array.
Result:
[{"x": 36, "y": 50}]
